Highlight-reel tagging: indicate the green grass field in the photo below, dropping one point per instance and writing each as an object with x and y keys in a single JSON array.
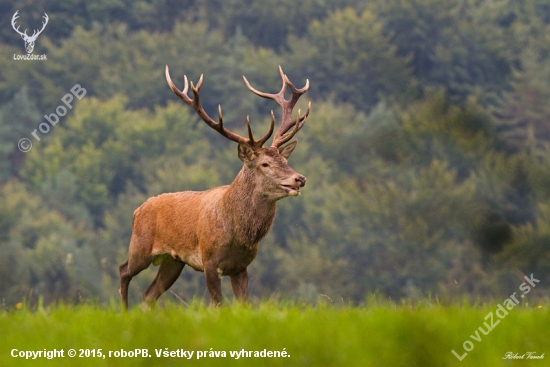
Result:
[{"x": 296, "y": 335}]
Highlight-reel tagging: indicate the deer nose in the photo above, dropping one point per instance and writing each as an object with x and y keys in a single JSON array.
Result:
[{"x": 301, "y": 180}]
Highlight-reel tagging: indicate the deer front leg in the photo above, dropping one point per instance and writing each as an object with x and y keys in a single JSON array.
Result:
[
  {"x": 239, "y": 283},
  {"x": 213, "y": 283}
]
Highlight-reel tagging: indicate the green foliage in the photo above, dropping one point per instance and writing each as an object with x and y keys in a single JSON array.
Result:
[
  {"x": 383, "y": 234},
  {"x": 105, "y": 142},
  {"x": 17, "y": 119},
  {"x": 350, "y": 58},
  {"x": 268, "y": 23},
  {"x": 66, "y": 16},
  {"x": 459, "y": 45},
  {"x": 529, "y": 250},
  {"x": 434, "y": 128},
  {"x": 121, "y": 62},
  {"x": 523, "y": 111},
  {"x": 426, "y": 150},
  {"x": 44, "y": 254}
]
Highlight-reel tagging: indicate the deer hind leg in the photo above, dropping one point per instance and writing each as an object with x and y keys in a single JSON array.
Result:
[
  {"x": 239, "y": 283},
  {"x": 213, "y": 283},
  {"x": 127, "y": 271},
  {"x": 169, "y": 270}
]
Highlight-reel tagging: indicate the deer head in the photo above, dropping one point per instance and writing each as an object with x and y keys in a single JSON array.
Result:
[
  {"x": 269, "y": 166},
  {"x": 29, "y": 40}
]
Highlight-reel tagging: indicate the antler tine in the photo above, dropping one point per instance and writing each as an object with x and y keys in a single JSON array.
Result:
[
  {"x": 218, "y": 126},
  {"x": 45, "y": 16},
  {"x": 182, "y": 94},
  {"x": 277, "y": 97},
  {"x": 14, "y": 20},
  {"x": 264, "y": 138},
  {"x": 296, "y": 93}
]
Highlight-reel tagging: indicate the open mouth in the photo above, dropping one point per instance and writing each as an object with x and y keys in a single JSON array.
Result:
[{"x": 291, "y": 190}]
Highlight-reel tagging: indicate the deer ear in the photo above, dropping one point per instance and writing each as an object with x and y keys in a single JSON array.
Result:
[
  {"x": 246, "y": 153},
  {"x": 287, "y": 150}
]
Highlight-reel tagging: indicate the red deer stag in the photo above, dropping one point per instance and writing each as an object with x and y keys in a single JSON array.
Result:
[{"x": 217, "y": 231}]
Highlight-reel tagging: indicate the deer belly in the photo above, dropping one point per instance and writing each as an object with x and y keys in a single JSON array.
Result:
[{"x": 193, "y": 259}]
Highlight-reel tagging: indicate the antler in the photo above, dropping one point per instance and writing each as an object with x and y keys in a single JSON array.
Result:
[
  {"x": 43, "y": 26},
  {"x": 13, "y": 19},
  {"x": 24, "y": 34},
  {"x": 283, "y": 134},
  {"x": 218, "y": 126}
]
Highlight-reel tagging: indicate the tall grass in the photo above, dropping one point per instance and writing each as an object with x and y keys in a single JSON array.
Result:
[{"x": 378, "y": 334}]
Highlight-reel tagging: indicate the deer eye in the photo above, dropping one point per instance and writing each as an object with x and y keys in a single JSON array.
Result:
[{"x": 265, "y": 165}]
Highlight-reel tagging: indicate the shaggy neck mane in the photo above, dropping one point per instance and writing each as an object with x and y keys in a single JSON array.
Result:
[{"x": 251, "y": 212}]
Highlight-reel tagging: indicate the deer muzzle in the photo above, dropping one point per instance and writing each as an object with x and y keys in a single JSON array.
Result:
[{"x": 293, "y": 189}]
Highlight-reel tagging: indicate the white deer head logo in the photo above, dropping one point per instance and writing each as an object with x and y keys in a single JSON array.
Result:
[{"x": 29, "y": 40}]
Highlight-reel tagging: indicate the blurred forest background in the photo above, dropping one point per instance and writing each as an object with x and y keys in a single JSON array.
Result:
[{"x": 426, "y": 152}]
